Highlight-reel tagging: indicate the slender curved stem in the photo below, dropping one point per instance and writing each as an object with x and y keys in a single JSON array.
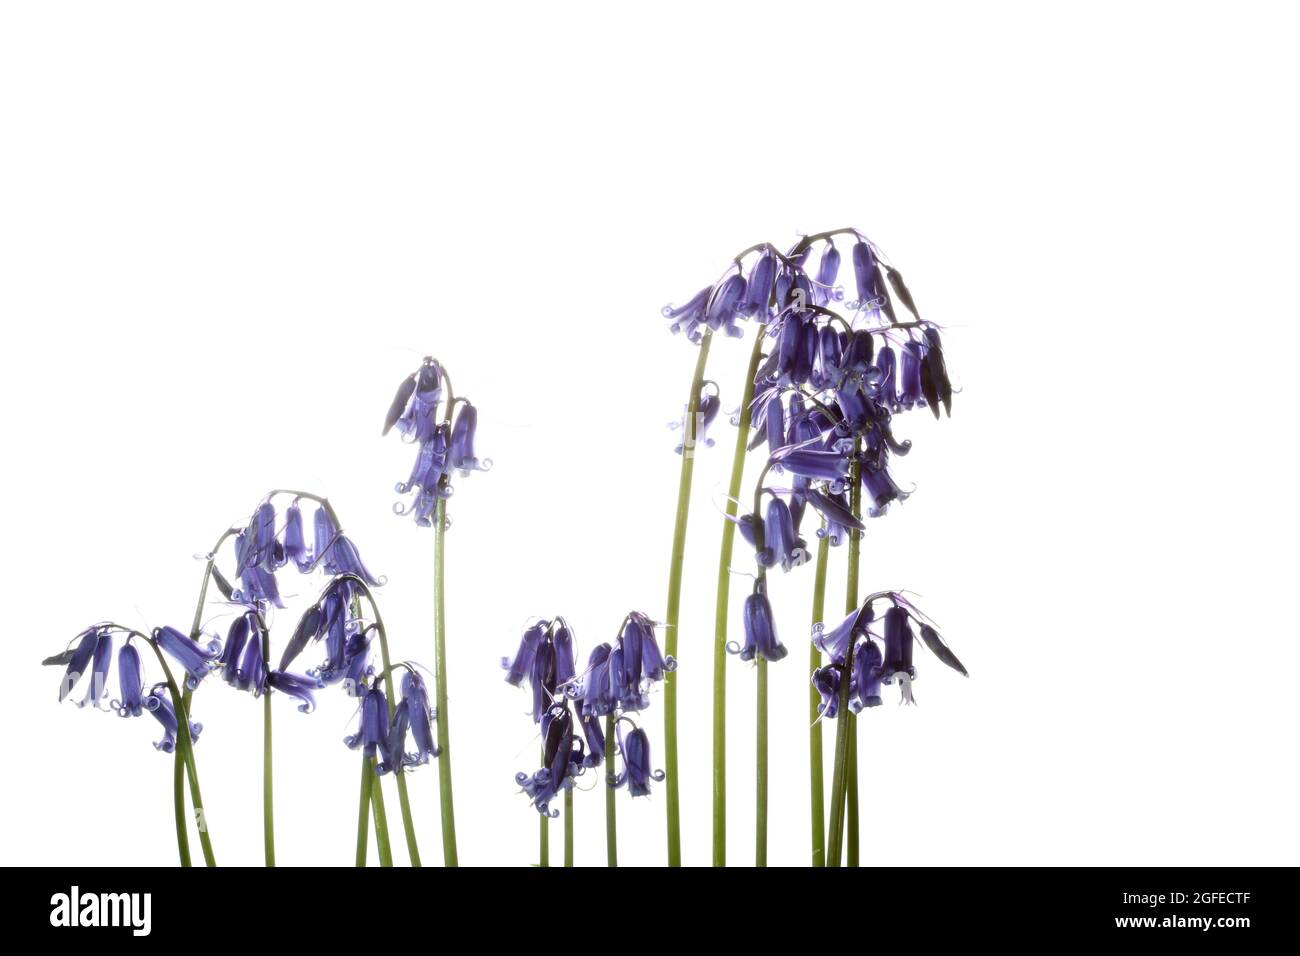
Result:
[
  {"x": 839, "y": 777},
  {"x": 568, "y": 827},
  {"x": 178, "y": 775},
  {"x": 722, "y": 607},
  {"x": 850, "y": 603},
  {"x": 690, "y": 429},
  {"x": 183, "y": 743},
  {"x": 611, "y": 821},
  {"x": 363, "y": 810},
  {"x": 382, "y": 843},
  {"x": 403, "y": 797},
  {"x": 815, "y": 761},
  {"x": 446, "y": 807},
  {"x": 268, "y": 788},
  {"x": 760, "y": 824}
]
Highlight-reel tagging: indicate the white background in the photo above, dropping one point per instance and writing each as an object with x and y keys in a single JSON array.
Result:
[{"x": 226, "y": 232}]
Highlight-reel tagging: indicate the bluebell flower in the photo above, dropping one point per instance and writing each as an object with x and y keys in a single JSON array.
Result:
[
  {"x": 826, "y": 681},
  {"x": 726, "y": 303},
  {"x": 760, "y": 632},
  {"x": 241, "y": 658},
  {"x": 880, "y": 488},
  {"x": 815, "y": 463},
  {"x": 158, "y": 702},
  {"x": 336, "y": 552},
  {"x": 838, "y": 518},
  {"x": 130, "y": 680},
  {"x": 415, "y": 697},
  {"x": 77, "y": 659},
  {"x": 636, "y": 662},
  {"x": 825, "y": 291},
  {"x": 593, "y": 689},
  {"x": 347, "y": 642},
  {"x": 197, "y": 660},
  {"x": 867, "y": 675},
  {"x": 461, "y": 454},
  {"x": 689, "y": 317},
  {"x": 595, "y": 738},
  {"x": 372, "y": 735},
  {"x": 835, "y": 642},
  {"x": 760, "y": 286},
  {"x": 636, "y": 773},
  {"x": 415, "y": 407},
  {"x": 781, "y": 545},
  {"x": 709, "y": 405},
  {"x": 521, "y": 665},
  {"x": 298, "y": 686},
  {"x": 295, "y": 540},
  {"x": 934, "y": 375},
  {"x": 562, "y": 760},
  {"x": 100, "y": 663},
  {"x": 867, "y": 272},
  {"x": 910, "y": 392}
]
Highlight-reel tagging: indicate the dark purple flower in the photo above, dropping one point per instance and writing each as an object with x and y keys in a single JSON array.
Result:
[
  {"x": 826, "y": 681},
  {"x": 760, "y": 286},
  {"x": 865, "y": 689},
  {"x": 415, "y": 697},
  {"x": 521, "y": 665},
  {"x": 760, "y": 631},
  {"x": 595, "y": 737},
  {"x": 562, "y": 760},
  {"x": 636, "y": 774},
  {"x": 372, "y": 735},
  {"x": 825, "y": 290},
  {"x": 781, "y": 544},
  {"x": 418, "y": 398},
  {"x": 867, "y": 272}
]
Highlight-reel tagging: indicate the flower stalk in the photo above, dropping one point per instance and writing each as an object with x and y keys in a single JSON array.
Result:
[
  {"x": 446, "y": 806},
  {"x": 722, "y": 607},
  {"x": 611, "y": 819},
  {"x": 815, "y": 758},
  {"x": 690, "y": 428}
]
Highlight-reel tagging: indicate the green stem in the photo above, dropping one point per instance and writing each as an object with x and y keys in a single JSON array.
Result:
[
  {"x": 839, "y": 776},
  {"x": 179, "y": 769},
  {"x": 611, "y": 822},
  {"x": 850, "y": 604},
  {"x": 446, "y": 808},
  {"x": 689, "y": 433},
  {"x": 760, "y": 826},
  {"x": 544, "y": 840},
  {"x": 178, "y": 798},
  {"x": 817, "y": 778},
  {"x": 183, "y": 743},
  {"x": 268, "y": 796},
  {"x": 722, "y": 607},
  {"x": 363, "y": 810},
  {"x": 382, "y": 843},
  {"x": 403, "y": 797},
  {"x": 568, "y": 827}
]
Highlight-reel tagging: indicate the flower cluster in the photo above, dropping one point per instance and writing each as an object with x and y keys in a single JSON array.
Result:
[
  {"x": 444, "y": 446},
  {"x": 383, "y": 730},
  {"x": 266, "y": 545},
  {"x": 876, "y": 657},
  {"x": 91, "y": 654},
  {"x": 616, "y": 682}
]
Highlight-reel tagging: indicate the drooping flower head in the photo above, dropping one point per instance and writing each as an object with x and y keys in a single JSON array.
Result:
[
  {"x": 875, "y": 658},
  {"x": 422, "y": 410},
  {"x": 91, "y": 653}
]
